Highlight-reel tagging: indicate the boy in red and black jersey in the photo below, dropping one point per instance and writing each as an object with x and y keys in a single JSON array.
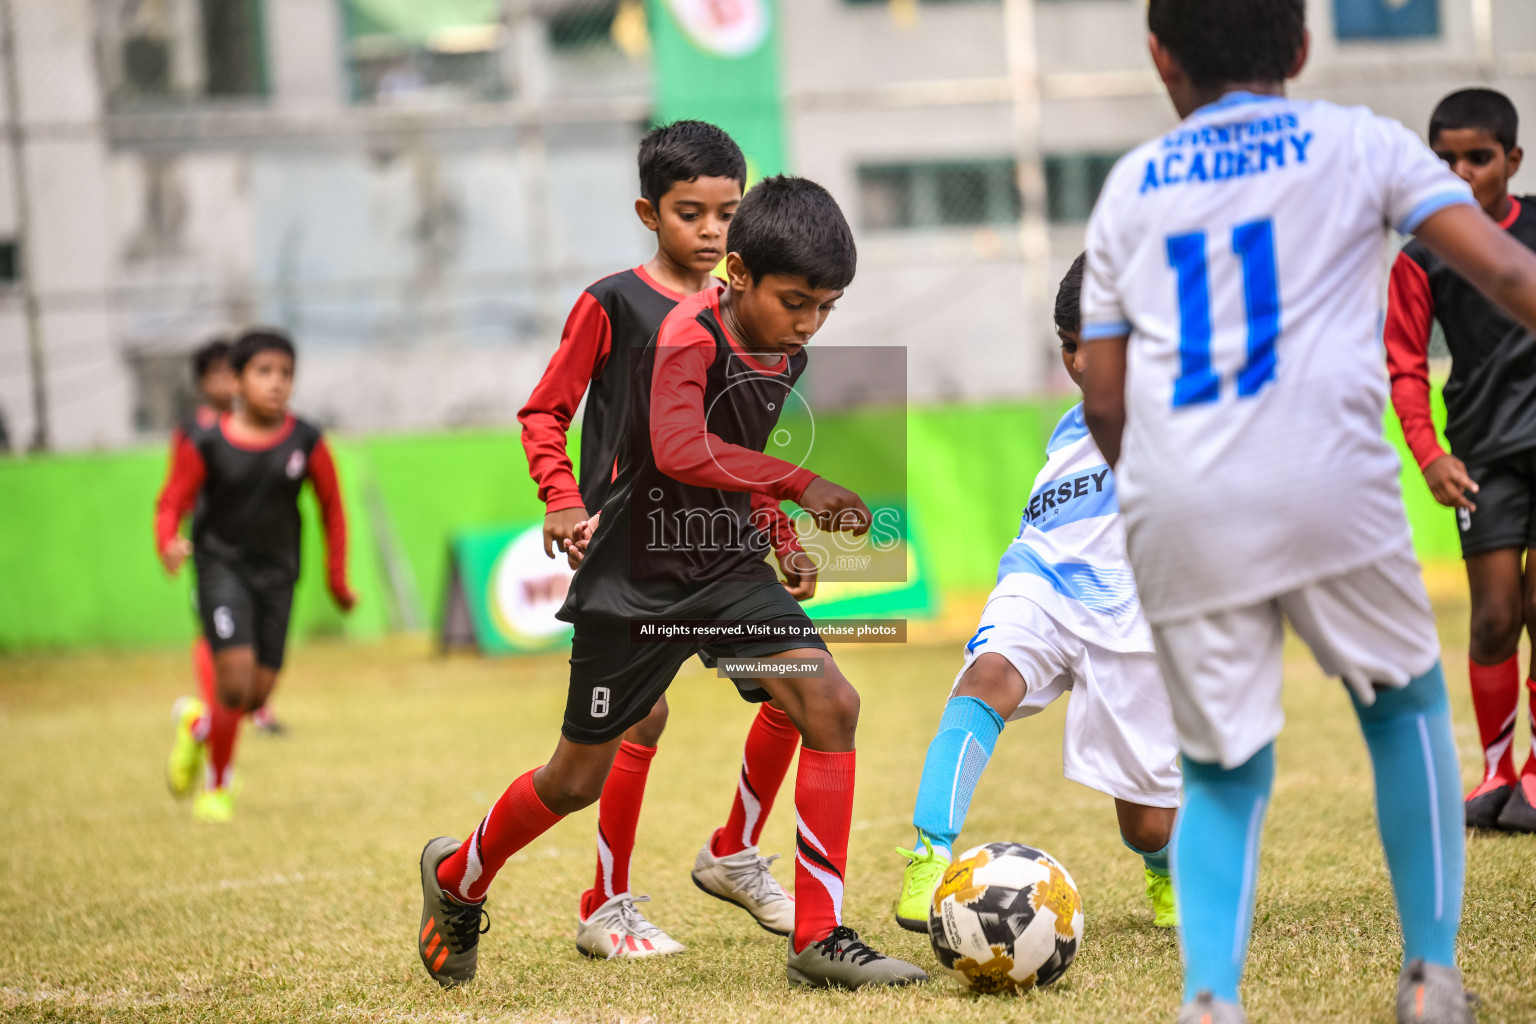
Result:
[
  {"x": 691, "y": 178},
  {"x": 1489, "y": 476},
  {"x": 706, "y": 394},
  {"x": 240, "y": 476}
]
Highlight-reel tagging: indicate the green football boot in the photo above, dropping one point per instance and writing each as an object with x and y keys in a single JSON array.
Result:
[
  {"x": 1165, "y": 912},
  {"x": 924, "y": 872},
  {"x": 214, "y": 806},
  {"x": 186, "y": 752}
]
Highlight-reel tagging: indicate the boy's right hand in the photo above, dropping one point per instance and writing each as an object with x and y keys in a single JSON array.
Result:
[
  {"x": 174, "y": 553},
  {"x": 560, "y": 527},
  {"x": 835, "y": 508},
  {"x": 1449, "y": 483}
]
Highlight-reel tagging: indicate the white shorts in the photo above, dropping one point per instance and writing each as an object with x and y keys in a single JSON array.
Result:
[
  {"x": 1370, "y": 627},
  {"x": 1119, "y": 737}
]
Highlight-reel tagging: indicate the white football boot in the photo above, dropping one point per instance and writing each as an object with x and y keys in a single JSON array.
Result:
[
  {"x": 617, "y": 930},
  {"x": 743, "y": 878}
]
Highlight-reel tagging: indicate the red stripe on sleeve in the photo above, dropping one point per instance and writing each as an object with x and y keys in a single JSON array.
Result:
[
  {"x": 546, "y": 418},
  {"x": 683, "y": 447},
  {"x": 179, "y": 494},
  {"x": 322, "y": 476},
  {"x": 1410, "y": 314}
]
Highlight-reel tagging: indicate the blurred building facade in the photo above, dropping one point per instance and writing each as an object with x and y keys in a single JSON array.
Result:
[{"x": 418, "y": 189}]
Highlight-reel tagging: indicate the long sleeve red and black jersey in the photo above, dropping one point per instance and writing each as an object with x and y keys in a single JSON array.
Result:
[
  {"x": 613, "y": 318},
  {"x": 246, "y": 499},
  {"x": 695, "y": 503},
  {"x": 1490, "y": 396}
]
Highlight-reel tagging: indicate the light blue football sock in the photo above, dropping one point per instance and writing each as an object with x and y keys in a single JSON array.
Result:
[
  {"x": 957, "y": 756},
  {"x": 1157, "y": 861},
  {"x": 1419, "y": 811},
  {"x": 1215, "y": 866}
]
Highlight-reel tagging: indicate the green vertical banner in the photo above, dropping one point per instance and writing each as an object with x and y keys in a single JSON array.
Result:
[{"x": 718, "y": 61}]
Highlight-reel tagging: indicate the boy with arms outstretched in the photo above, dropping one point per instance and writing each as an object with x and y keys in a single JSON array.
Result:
[
  {"x": 1064, "y": 616},
  {"x": 691, "y": 178},
  {"x": 1490, "y": 400},
  {"x": 705, "y": 397},
  {"x": 243, "y": 473},
  {"x": 1231, "y": 312}
]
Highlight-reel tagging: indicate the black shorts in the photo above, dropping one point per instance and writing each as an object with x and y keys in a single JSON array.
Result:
[
  {"x": 615, "y": 682},
  {"x": 241, "y": 608},
  {"x": 1506, "y": 505}
]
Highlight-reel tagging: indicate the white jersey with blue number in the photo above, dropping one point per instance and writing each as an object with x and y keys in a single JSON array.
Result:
[
  {"x": 1069, "y": 556},
  {"x": 1244, "y": 253}
]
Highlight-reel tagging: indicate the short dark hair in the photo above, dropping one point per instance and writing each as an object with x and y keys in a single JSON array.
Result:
[
  {"x": 208, "y": 354},
  {"x": 1483, "y": 110},
  {"x": 260, "y": 339},
  {"x": 687, "y": 151},
  {"x": 1219, "y": 42},
  {"x": 1069, "y": 297},
  {"x": 788, "y": 225}
]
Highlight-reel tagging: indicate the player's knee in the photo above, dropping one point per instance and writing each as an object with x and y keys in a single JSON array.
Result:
[
  {"x": 841, "y": 706},
  {"x": 993, "y": 680},
  {"x": 567, "y": 794},
  {"x": 1495, "y": 632}
]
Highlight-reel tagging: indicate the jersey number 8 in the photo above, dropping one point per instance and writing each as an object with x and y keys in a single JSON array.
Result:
[{"x": 1254, "y": 245}]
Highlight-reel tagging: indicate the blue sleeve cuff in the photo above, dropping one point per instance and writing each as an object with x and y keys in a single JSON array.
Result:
[
  {"x": 1093, "y": 332},
  {"x": 1431, "y": 206}
]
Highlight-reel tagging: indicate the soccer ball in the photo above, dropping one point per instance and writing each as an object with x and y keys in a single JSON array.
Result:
[{"x": 1006, "y": 917}]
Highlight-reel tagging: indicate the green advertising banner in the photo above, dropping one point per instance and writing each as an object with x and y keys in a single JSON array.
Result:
[
  {"x": 503, "y": 591},
  {"x": 718, "y": 61}
]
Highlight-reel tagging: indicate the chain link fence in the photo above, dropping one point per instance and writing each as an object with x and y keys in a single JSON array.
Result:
[{"x": 418, "y": 189}]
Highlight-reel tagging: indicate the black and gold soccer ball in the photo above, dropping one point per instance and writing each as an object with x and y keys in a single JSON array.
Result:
[{"x": 1006, "y": 918}]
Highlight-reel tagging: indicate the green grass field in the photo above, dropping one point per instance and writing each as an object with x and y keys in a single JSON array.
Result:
[{"x": 115, "y": 906}]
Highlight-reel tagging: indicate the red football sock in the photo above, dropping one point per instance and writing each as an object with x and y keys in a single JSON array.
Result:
[
  {"x": 202, "y": 667},
  {"x": 1530, "y": 709},
  {"x": 1495, "y": 698},
  {"x": 223, "y": 730},
  {"x": 516, "y": 820},
  {"x": 824, "y": 815},
  {"x": 617, "y": 815},
  {"x": 771, "y": 744}
]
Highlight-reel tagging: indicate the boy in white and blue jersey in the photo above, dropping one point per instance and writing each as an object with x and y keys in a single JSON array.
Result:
[
  {"x": 1063, "y": 617},
  {"x": 1232, "y": 316}
]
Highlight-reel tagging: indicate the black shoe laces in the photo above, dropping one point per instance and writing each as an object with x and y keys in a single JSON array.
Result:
[
  {"x": 844, "y": 943},
  {"x": 464, "y": 923}
]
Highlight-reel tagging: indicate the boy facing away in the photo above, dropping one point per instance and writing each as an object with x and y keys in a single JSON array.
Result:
[
  {"x": 691, "y": 179},
  {"x": 242, "y": 472},
  {"x": 1064, "y": 616},
  {"x": 1230, "y": 320},
  {"x": 736, "y": 352},
  {"x": 1489, "y": 476}
]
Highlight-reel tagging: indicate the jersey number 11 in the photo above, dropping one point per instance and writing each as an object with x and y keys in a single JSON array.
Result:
[{"x": 1254, "y": 245}]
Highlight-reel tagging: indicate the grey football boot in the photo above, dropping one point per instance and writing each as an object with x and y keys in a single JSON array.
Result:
[
  {"x": 841, "y": 961},
  {"x": 449, "y": 940},
  {"x": 1432, "y": 994},
  {"x": 1207, "y": 1009},
  {"x": 1518, "y": 815}
]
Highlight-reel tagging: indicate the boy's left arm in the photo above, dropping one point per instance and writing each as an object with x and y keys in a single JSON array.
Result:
[{"x": 322, "y": 476}]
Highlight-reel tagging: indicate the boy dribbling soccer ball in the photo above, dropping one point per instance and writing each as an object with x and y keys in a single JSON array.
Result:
[{"x": 1063, "y": 617}]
